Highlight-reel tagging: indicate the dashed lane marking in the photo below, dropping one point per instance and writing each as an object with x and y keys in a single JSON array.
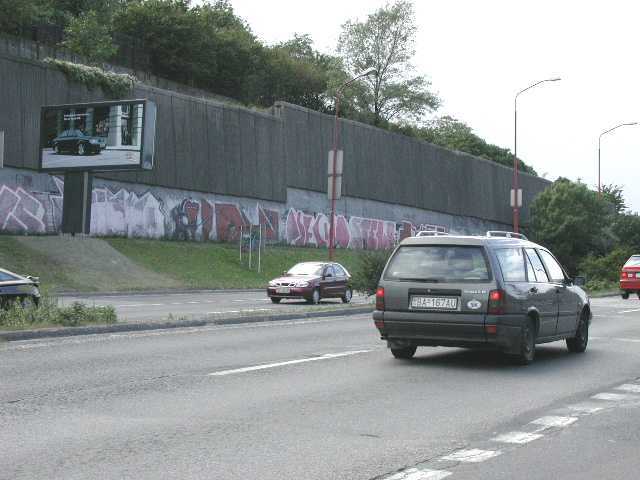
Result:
[
  {"x": 553, "y": 421},
  {"x": 423, "y": 474},
  {"x": 472, "y": 455},
  {"x": 517, "y": 437},
  {"x": 614, "y": 397},
  {"x": 630, "y": 311},
  {"x": 629, "y": 387},
  {"x": 585, "y": 408},
  {"x": 327, "y": 356}
]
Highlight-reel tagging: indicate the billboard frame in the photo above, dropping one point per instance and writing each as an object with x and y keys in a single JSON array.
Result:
[{"x": 148, "y": 106}]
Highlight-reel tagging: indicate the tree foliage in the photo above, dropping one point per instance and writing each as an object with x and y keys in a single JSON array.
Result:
[
  {"x": 90, "y": 37},
  {"x": 453, "y": 134},
  {"x": 571, "y": 220},
  {"x": 386, "y": 42},
  {"x": 614, "y": 195}
]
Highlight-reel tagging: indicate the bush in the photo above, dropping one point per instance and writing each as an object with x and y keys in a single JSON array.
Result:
[
  {"x": 606, "y": 268},
  {"x": 369, "y": 271},
  {"x": 48, "y": 313}
]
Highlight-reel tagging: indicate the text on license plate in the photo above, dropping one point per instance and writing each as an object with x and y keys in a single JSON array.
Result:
[
  {"x": 283, "y": 290},
  {"x": 435, "y": 303}
]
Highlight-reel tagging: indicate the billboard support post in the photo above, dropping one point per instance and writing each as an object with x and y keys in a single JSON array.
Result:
[{"x": 76, "y": 203}]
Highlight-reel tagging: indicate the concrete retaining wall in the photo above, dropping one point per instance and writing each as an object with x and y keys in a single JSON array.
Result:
[{"x": 31, "y": 203}]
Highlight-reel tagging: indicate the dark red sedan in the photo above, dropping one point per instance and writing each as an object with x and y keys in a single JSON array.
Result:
[{"x": 312, "y": 281}]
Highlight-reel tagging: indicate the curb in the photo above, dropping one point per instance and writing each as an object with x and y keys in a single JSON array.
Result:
[
  {"x": 184, "y": 291},
  {"x": 135, "y": 327}
]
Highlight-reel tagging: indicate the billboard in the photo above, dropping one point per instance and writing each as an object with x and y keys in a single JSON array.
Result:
[{"x": 98, "y": 136}]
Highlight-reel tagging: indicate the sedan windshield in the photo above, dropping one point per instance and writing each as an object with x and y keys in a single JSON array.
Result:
[
  {"x": 5, "y": 277},
  {"x": 306, "y": 269}
]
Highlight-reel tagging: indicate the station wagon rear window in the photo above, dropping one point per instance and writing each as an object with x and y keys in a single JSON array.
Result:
[{"x": 438, "y": 264}]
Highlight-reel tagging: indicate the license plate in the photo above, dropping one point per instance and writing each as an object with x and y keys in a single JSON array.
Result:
[
  {"x": 434, "y": 303},
  {"x": 283, "y": 290}
]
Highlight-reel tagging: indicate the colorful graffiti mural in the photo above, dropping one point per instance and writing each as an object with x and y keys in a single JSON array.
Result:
[{"x": 122, "y": 212}]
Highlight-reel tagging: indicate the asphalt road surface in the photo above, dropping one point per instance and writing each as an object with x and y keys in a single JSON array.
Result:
[
  {"x": 318, "y": 399},
  {"x": 108, "y": 157},
  {"x": 158, "y": 307}
]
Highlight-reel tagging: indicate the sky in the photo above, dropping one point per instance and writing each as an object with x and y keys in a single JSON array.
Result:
[{"x": 479, "y": 54}]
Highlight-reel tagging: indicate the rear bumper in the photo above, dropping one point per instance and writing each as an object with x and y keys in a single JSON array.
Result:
[
  {"x": 630, "y": 285},
  {"x": 452, "y": 330}
]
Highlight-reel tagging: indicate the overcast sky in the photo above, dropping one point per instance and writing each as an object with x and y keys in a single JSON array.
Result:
[{"x": 478, "y": 54}]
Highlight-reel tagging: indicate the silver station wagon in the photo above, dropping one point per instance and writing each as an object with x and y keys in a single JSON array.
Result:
[{"x": 499, "y": 291}]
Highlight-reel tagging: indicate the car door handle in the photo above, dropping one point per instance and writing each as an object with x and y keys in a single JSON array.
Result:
[{"x": 533, "y": 290}]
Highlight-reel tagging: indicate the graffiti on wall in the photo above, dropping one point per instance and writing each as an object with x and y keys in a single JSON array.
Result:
[
  {"x": 313, "y": 230},
  {"x": 20, "y": 211},
  {"x": 127, "y": 213}
]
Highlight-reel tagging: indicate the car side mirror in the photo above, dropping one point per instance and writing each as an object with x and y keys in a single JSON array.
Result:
[{"x": 579, "y": 281}]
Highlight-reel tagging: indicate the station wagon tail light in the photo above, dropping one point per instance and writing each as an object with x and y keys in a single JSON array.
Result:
[
  {"x": 380, "y": 298},
  {"x": 496, "y": 302},
  {"x": 624, "y": 274}
]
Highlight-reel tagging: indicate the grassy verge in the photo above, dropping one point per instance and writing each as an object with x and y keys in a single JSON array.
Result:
[
  {"x": 22, "y": 260},
  {"x": 49, "y": 314},
  {"x": 213, "y": 265}
]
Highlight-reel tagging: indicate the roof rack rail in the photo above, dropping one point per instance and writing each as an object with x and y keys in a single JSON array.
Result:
[
  {"x": 500, "y": 233},
  {"x": 430, "y": 233}
]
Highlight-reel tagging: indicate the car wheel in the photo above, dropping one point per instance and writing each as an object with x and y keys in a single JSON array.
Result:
[
  {"x": 404, "y": 352},
  {"x": 625, "y": 295},
  {"x": 578, "y": 344},
  {"x": 527, "y": 344},
  {"x": 638, "y": 293},
  {"x": 347, "y": 296},
  {"x": 315, "y": 297},
  {"x": 81, "y": 149},
  {"x": 275, "y": 299}
]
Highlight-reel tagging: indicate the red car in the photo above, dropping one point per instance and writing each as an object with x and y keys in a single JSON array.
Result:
[
  {"x": 312, "y": 281},
  {"x": 630, "y": 277}
]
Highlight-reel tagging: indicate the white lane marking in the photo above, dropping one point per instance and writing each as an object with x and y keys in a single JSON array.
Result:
[
  {"x": 136, "y": 305},
  {"x": 630, "y": 340},
  {"x": 615, "y": 397},
  {"x": 629, "y": 387},
  {"x": 472, "y": 455},
  {"x": 630, "y": 311},
  {"x": 415, "y": 474},
  {"x": 585, "y": 408},
  {"x": 326, "y": 356},
  {"x": 517, "y": 437},
  {"x": 553, "y": 421}
]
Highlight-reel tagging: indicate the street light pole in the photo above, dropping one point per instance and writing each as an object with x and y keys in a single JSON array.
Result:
[
  {"x": 336, "y": 142},
  {"x": 516, "y": 207},
  {"x": 599, "y": 139}
]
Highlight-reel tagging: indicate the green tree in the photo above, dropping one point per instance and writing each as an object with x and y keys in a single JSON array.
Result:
[
  {"x": 615, "y": 196},
  {"x": 17, "y": 18},
  {"x": 386, "y": 42},
  {"x": 626, "y": 230},
  {"x": 89, "y": 36},
  {"x": 453, "y": 134},
  {"x": 295, "y": 72},
  {"x": 571, "y": 220}
]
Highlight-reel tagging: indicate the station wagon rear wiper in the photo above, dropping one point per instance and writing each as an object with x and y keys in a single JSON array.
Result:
[{"x": 424, "y": 280}]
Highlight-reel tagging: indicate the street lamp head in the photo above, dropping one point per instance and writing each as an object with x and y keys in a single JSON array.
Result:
[{"x": 556, "y": 79}]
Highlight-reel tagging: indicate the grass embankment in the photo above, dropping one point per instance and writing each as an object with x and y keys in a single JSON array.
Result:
[{"x": 213, "y": 266}]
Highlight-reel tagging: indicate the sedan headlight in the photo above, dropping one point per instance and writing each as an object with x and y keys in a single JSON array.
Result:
[
  {"x": 272, "y": 284},
  {"x": 93, "y": 141},
  {"x": 302, "y": 284}
]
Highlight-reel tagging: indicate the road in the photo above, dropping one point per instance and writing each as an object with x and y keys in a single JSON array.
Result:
[
  {"x": 108, "y": 157},
  {"x": 194, "y": 305},
  {"x": 318, "y": 399}
]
